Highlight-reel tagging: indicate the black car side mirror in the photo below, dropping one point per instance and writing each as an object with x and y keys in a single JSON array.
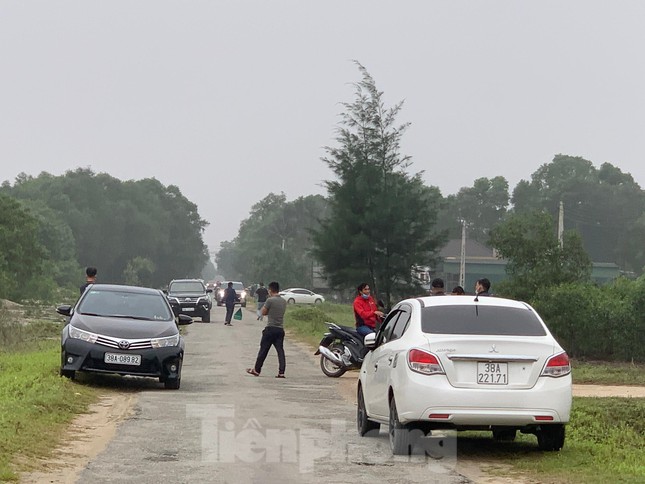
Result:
[
  {"x": 184, "y": 319},
  {"x": 64, "y": 309}
]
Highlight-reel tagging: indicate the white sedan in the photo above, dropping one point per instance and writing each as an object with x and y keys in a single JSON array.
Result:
[
  {"x": 464, "y": 363},
  {"x": 298, "y": 295}
]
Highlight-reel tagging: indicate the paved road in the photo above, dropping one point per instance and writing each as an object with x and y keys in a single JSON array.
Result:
[{"x": 226, "y": 426}]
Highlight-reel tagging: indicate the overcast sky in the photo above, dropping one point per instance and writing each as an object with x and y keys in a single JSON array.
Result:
[{"x": 233, "y": 100}]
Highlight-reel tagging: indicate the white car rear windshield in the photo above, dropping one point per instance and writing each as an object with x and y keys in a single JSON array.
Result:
[{"x": 485, "y": 320}]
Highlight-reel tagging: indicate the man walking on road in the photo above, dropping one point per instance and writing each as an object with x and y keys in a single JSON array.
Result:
[
  {"x": 261, "y": 293},
  {"x": 229, "y": 300},
  {"x": 273, "y": 333}
]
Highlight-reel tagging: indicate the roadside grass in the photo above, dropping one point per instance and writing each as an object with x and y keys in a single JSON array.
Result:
[
  {"x": 604, "y": 443},
  {"x": 307, "y": 321},
  {"x": 605, "y": 440},
  {"x": 608, "y": 373},
  {"x": 36, "y": 405}
]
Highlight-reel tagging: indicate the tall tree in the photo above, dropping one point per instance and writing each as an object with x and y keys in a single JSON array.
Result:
[
  {"x": 481, "y": 207},
  {"x": 22, "y": 258},
  {"x": 382, "y": 220},
  {"x": 604, "y": 205},
  {"x": 535, "y": 258}
]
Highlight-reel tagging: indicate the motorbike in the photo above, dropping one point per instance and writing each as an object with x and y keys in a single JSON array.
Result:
[{"x": 340, "y": 349}]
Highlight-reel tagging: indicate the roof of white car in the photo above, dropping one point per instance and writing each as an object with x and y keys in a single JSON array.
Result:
[{"x": 468, "y": 300}]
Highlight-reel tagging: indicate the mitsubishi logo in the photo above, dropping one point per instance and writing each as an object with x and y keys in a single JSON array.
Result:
[
  {"x": 493, "y": 349},
  {"x": 124, "y": 344}
]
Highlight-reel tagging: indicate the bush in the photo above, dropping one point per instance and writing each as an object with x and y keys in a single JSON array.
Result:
[{"x": 596, "y": 322}]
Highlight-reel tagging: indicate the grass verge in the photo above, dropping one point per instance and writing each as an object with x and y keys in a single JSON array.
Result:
[{"x": 36, "y": 405}]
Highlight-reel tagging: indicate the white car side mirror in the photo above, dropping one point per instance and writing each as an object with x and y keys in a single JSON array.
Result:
[{"x": 370, "y": 340}]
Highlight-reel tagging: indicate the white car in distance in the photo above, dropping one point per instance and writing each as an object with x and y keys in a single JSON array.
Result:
[
  {"x": 464, "y": 363},
  {"x": 298, "y": 295}
]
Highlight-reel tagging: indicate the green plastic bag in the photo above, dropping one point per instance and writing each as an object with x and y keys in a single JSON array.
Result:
[{"x": 238, "y": 314}]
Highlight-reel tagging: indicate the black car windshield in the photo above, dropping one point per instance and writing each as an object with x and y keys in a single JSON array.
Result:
[
  {"x": 125, "y": 304},
  {"x": 186, "y": 286},
  {"x": 482, "y": 320}
]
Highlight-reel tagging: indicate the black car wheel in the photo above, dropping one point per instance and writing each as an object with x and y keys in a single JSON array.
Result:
[
  {"x": 71, "y": 374},
  {"x": 172, "y": 383},
  {"x": 551, "y": 437},
  {"x": 291, "y": 301},
  {"x": 401, "y": 441},
  {"x": 365, "y": 425},
  {"x": 505, "y": 435}
]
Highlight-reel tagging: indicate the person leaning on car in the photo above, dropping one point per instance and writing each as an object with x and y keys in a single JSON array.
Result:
[{"x": 366, "y": 311}]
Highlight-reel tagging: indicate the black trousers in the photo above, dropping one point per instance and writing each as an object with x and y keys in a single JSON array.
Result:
[
  {"x": 271, "y": 335},
  {"x": 230, "y": 307}
]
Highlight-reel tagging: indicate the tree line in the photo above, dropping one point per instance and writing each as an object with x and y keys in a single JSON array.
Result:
[{"x": 136, "y": 232}]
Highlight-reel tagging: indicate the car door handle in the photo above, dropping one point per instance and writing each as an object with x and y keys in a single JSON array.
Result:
[{"x": 390, "y": 359}]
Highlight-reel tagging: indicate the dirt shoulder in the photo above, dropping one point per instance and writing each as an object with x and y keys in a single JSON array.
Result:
[{"x": 87, "y": 436}]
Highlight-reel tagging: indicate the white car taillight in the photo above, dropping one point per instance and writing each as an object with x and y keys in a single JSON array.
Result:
[
  {"x": 557, "y": 365},
  {"x": 424, "y": 362}
]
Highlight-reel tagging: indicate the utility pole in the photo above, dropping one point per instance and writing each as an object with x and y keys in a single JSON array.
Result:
[
  {"x": 462, "y": 261},
  {"x": 561, "y": 224}
]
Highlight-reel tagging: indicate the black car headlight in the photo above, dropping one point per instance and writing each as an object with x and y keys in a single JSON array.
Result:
[
  {"x": 76, "y": 333},
  {"x": 165, "y": 342}
]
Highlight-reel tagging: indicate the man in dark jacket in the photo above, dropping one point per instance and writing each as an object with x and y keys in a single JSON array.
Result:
[
  {"x": 229, "y": 300},
  {"x": 90, "y": 278}
]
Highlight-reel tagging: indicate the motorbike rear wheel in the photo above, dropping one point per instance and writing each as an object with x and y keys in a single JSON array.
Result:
[{"x": 330, "y": 368}]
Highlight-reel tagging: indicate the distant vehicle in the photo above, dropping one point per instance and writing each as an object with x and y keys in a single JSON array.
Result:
[
  {"x": 298, "y": 295},
  {"x": 240, "y": 293},
  {"x": 464, "y": 363},
  {"x": 124, "y": 330},
  {"x": 191, "y": 297}
]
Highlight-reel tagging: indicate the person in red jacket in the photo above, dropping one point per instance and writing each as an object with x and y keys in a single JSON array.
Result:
[{"x": 366, "y": 312}]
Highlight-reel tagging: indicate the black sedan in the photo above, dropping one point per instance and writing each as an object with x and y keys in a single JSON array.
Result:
[{"x": 124, "y": 330}]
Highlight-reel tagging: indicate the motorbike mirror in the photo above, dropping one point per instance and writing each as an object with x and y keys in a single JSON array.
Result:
[{"x": 370, "y": 340}]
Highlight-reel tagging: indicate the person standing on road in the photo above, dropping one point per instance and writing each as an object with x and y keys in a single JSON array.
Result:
[
  {"x": 90, "y": 278},
  {"x": 273, "y": 333},
  {"x": 366, "y": 311},
  {"x": 229, "y": 300},
  {"x": 261, "y": 294}
]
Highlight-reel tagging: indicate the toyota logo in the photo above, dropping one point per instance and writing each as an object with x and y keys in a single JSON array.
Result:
[{"x": 124, "y": 344}]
